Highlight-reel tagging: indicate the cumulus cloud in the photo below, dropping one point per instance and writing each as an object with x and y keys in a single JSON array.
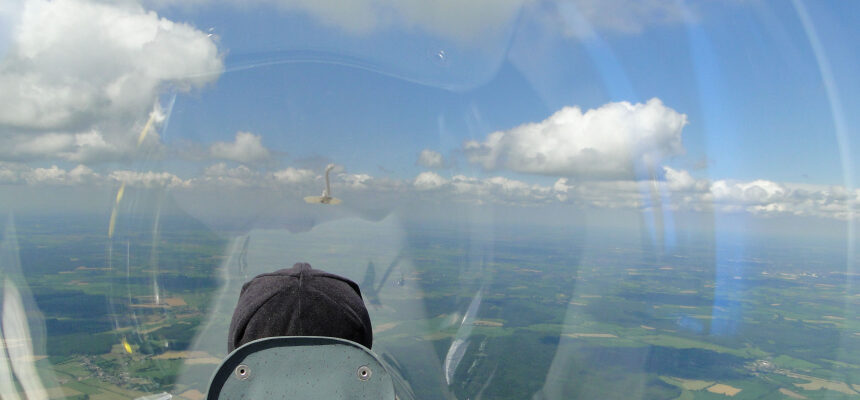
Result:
[
  {"x": 356, "y": 181},
  {"x": 246, "y": 148},
  {"x": 76, "y": 60},
  {"x": 221, "y": 174},
  {"x": 495, "y": 189},
  {"x": 148, "y": 179},
  {"x": 80, "y": 77},
  {"x": 755, "y": 192},
  {"x": 676, "y": 190},
  {"x": 81, "y": 175},
  {"x": 294, "y": 175},
  {"x": 430, "y": 159},
  {"x": 58, "y": 176},
  {"x": 52, "y": 175},
  {"x": 429, "y": 181},
  {"x": 759, "y": 197},
  {"x": 10, "y": 173},
  {"x": 518, "y": 191},
  {"x": 602, "y": 143},
  {"x": 680, "y": 180},
  {"x": 768, "y": 197}
]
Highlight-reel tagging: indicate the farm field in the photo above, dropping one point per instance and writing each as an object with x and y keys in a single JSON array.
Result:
[{"x": 550, "y": 314}]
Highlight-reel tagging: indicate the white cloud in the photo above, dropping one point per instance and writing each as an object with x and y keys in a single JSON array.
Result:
[
  {"x": 511, "y": 190},
  {"x": 305, "y": 180},
  {"x": 294, "y": 175},
  {"x": 759, "y": 197},
  {"x": 603, "y": 143},
  {"x": 429, "y": 181},
  {"x": 481, "y": 191},
  {"x": 678, "y": 191},
  {"x": 147, "y": 179},
  {"x": 8, "y": 175},
  {"x": 755, "y": 192},
  {"x": 75, "y": 59},
  {"x": 80, "y": 76},
  {"x": 57, "y": 176},
  {"x": 82, "y": 174},
  {"x": 679, "y": 180},
  {"x": 221, "y": 174},
  {"x": 52, "y": 175},
  {"x": 560, "y": 188},
  {"x": 356, "y": 181},
  {"x": 430, "y": 159},
  {"x": 246, "y": 148}
]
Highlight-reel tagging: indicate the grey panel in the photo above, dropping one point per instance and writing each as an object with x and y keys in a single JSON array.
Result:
[{"x": 301, "y": 368}]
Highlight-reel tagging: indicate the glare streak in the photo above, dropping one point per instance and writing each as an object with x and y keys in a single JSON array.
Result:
[
  {"x": 7, "y": 386},
  {"x": 838, "y": 121},
  {"x": 19, "y": 344},
  {"x": 461, "y": 343},
  {"x": 113, "y": 214}
]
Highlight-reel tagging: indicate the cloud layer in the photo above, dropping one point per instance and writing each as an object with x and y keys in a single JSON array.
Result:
[
  {"x": 609, "y": 142},
  {"x": 675, "y": 190}
]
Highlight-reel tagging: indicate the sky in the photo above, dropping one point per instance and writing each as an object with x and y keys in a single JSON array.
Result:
[{"x": 659, "y": 108}]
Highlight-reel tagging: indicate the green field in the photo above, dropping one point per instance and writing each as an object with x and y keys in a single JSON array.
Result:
[{"x": 122, "y": 314}]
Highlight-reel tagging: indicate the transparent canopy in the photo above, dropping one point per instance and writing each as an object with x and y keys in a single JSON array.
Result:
[{"x": 548, "y": 199}]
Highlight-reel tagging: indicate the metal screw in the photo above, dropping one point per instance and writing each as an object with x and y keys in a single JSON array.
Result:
[
  {"x": 243, "y": 372},
  {"x": 364, "y": 372}
]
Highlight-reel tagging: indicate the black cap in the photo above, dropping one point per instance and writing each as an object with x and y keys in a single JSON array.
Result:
[{"x": 300, "y": 301}]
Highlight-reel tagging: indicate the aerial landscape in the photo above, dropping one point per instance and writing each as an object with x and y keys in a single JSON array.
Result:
[{"x": 555, "y": 312}]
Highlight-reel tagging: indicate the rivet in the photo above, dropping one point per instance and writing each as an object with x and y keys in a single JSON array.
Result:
[
  {"x": 242, "y": 371},
  {"x": 364, "y": 372}
]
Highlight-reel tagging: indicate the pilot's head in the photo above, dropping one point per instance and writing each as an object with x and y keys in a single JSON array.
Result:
[{"x": 300, "y": 301}]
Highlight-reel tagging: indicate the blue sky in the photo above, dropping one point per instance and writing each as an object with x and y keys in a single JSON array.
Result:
[
  {"x": 751, "y": 88},
  {"x": 720, "y": 105}
]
